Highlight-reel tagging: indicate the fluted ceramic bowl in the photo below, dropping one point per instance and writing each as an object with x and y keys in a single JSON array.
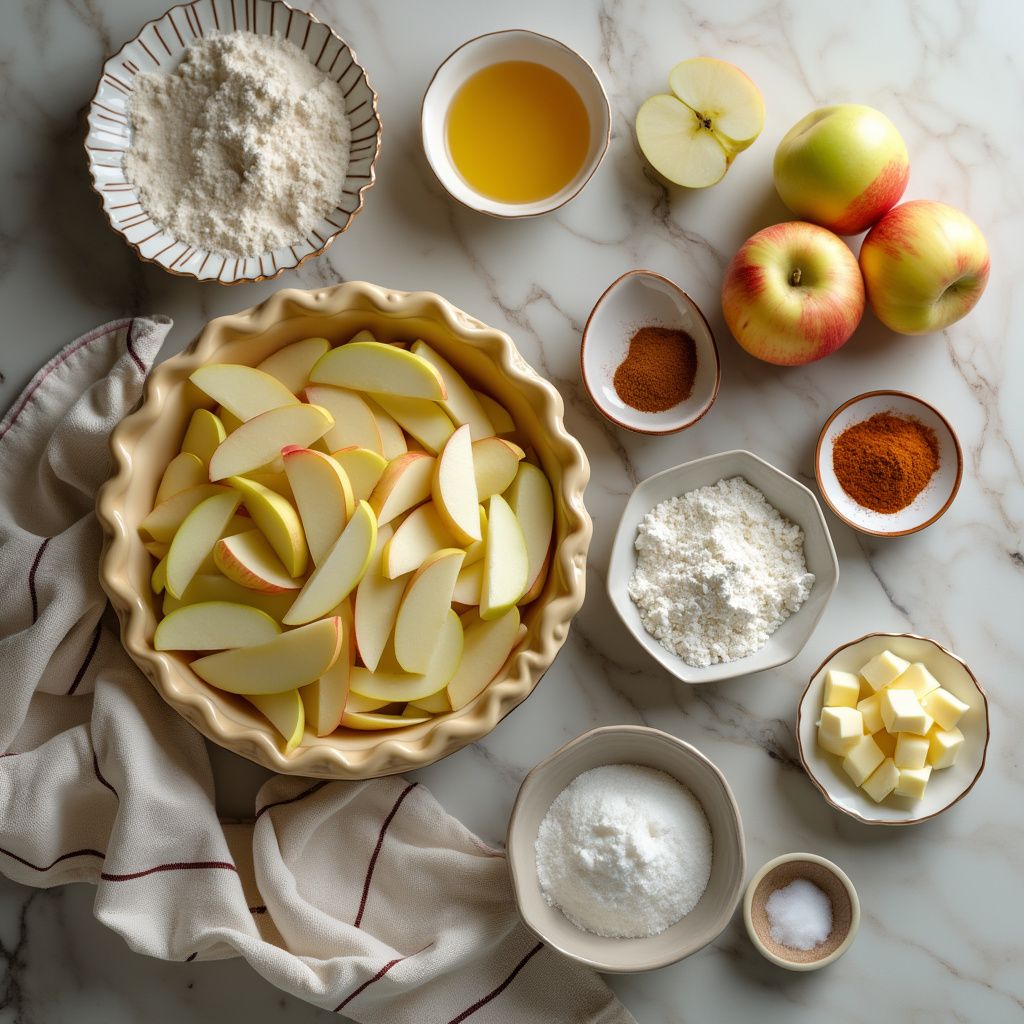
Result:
[{"x": 145, "y": 442}]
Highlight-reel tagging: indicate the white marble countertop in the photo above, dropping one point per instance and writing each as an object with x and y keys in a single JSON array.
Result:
[{"x": 941, "y": 936}]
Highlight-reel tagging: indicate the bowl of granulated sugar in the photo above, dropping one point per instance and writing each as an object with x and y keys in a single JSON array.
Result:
[
  {"x": 625, "y": 849},
  {"x": 231, "y": 144}
]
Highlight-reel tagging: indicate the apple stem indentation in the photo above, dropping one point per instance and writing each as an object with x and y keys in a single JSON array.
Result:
[{"x": 795, "y": 277}]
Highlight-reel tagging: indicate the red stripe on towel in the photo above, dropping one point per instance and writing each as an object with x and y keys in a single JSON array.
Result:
[
  {"x": 376, "y": 851},
  {"x": 501, "y": 988}
]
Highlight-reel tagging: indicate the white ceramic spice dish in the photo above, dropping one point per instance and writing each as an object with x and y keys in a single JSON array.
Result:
[
  {"x": 641, "y": 298},
  {"x": 790, "y": 497},
  {"x": 929, "y": 505}
]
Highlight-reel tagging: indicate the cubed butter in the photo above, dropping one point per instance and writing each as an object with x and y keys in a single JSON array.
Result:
[
  {"x": 913, "y": 782},
  {"x": 871, "y": 712},
  {"x": 911, "y": 751},
  {"x": 862, "y": 759},
  {"x": 944, "y": 746},
  {"x": 918, "y": 679},
  {"x": 946, "y": 709},
  {"x": 902, "y": 712},
  {"x": 882, "y": 669},
  {"x": 839, "y": 729},
  {"x": 886, "y": 742},
  {"x": 841, "y": 689},
  {"x": 882, "y": 781}
]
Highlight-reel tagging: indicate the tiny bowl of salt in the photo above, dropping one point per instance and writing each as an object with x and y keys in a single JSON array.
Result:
[
  {"x": 626, "y": 850},
  {"x": 801, "y": 911}
]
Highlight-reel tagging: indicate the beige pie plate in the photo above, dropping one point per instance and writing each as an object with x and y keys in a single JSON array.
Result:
[
  {"x": 629, "y": 744},
  {"x": 158, "y": 48},
  {"x": 947, "y": 786},
  {"x": 144, "y": 443}
]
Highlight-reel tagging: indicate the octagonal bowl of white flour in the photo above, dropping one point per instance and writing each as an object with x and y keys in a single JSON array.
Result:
[{"x": 739, "y": 582}]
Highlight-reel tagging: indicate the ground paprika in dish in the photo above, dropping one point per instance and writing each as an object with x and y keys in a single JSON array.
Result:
[
  {"x": 659, "y": 369},
  {"x": 884, "y": 462}
]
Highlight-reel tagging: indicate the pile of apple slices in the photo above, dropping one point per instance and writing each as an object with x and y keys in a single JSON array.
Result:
[{"x": 347, "y": 539}]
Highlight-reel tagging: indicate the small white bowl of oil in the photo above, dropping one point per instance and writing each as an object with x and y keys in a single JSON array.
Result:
[{"x": 514, "y": 124}]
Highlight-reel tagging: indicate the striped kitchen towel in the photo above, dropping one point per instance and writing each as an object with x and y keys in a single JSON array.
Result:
[{"x": 364, "y": 898}]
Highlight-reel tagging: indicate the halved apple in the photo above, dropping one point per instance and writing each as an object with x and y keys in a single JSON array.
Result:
[
  {"x": 377, "y": 601},
  {"x": 462, "y": 405},
  {"x": 286, "y": 714},
  {"x": 392, "y": 437},
  {"x": 363, "y": 469},
  {"x": 243, "y": 390},
  {"x": 497, "y": 414},
  {"x": 495, "y": 462},
  {"x": 506, "y": 562},
  {"x": 214, "y": 626},
  {"x": 250, "y": 561},
  {"x": 185, "y": 470},
  {"x": 278, "y": 522},
  {"x": 425, "y": 605},
  {"x": 204, "y": 434},
  {"x": 468, "y": 586},
  {"x": 531, "y": 501},
  {"x": 416, "y": 538},
  {"x": 290, "y": 660},
  {"x": 379, "y": 369},
  {"x": 291, "y": 364},
  {"x": 162, "y": 523},
  {"x": 426, "y": 421},
  {"x": 341, "y": 570},
  {"x": 215, "y": 587},
  {"x": 326, "y": 698},
  {"x": 354, "y": 422},
  {"x": 323, "y": 496},
  {"x": 454, "y": 487},
  {"x": 405, "y": 483},
  {"x": 374, "y": 720},
  {"x": 260, "y": 440},
  {"x": 194, "y": 540}
]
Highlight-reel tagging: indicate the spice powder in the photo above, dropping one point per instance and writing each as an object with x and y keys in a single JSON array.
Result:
[{"x": 659, "y": 369}]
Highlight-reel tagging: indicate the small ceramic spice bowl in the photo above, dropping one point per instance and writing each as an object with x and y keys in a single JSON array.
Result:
[
  {"x": 929, "y": 505},
  {"x": 642, "y": 298},
  {"x": 831, "y": 880}
]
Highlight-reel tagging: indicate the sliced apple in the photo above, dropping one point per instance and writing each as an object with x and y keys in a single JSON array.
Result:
[
  {"x": 278, "y": 521},
  {"x": 229, "y": 419},
  {"x": 286, "y": 714},
  {"x": 721, "y": 93},
  {"x": 291, "y": 364},
  {"x": 158, "y": 579},
  {"x": 462, "y": 405},
  {"x": 531, "y": 501},
  {"x": 354, "y": 422},
  {"x": 495, "y": 462},
  {"x": 416, "y": 538},
  {"x": 215, "y": 587},
  {"x": 454, "y": 487},
  {"x": 425, "y": 605},
  {"x": 341, "y": 570},
  {"x": 376, "y": 605},
  {"x": 405, "y": 484},
  {"x": 506, "y": 561},
  {"x": 426, "y": 421},
  {"x": 327, "y": 697},
  {"x": 157, "y": 548},
  {"x": 162, "y": 523},
  {"x": 243, "y": 390},
  {"x": 323, "y": 496},
  {"x": 260, "y": 440},
  {"x": 498, "y": 415},
  {"x": 250, "y": 561},
  {"x": 392, "y": 437},
  {"x": 289, "y": 661},
  {"x": 358, "y": 704},
  {"x": 195, "y": 538},
  {"x": 276, "y": 481},
  {"x": 204, "y": 434},
  {"x": 374, "y": 720},
  {"x": 379, "y": 369},
  {"x": 214, "y": 626},
  {"x": 468, "y": 585},
  {"x": 363, "y": 469},
  {"x": 185, "y": 470}
]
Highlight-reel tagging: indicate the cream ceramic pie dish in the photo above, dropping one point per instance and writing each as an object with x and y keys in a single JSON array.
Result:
[{"x": 144, "y": 442}]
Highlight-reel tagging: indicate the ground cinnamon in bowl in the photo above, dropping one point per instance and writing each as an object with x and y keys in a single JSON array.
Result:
[
  {"x": 659, "y": 369},
  {"x": 884, "y": 462}
]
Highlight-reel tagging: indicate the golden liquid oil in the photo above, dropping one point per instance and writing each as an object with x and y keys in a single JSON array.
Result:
[{"x": 517, "y": 131}]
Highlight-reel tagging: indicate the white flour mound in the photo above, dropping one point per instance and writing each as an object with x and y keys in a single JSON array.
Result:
[
  {"x": 718, "y": 571},
  {"x": 242, "y": 149}
]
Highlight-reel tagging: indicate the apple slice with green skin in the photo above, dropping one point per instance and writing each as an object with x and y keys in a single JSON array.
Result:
[
  {"x": 277, "y": 521},
  {"x": 392, "y": 437},
  {"x": 363, "y": 469},
  {"x": 204, "y": 435},
  {"x": 290, "y": 660},
  {"x": 216, "y": 587},
  {"x": 416, "y": 538},
  {"x": 379, "y": 369},
  {"x": 214, "y": 626},
  {"x": 195, "y": 538},
  {"x": 260, "y": 440},
  {"x": 506, "y": 562},
  {"x": 495, "y": 462},
  {"x": 468, "y": 586},
  {"x": 376, "y": 605},
  {"x": 454, "y": 488},
  {"x": 341, "y": 570},
  {"x": 243, "y": 390},
  {"x": 426, "y": 421},
  {"x": 162, "y": 523},
  {"x": 354, "y": 422},
  {"x": 323, "y": 496},
  {"x": 158, "y": 579},
  {"x": 533, "y": 505},
  {"x": 185, "y": 470},
  {"x": 497, "y": 414},
  {"x": 425, "y": 605},
  {"x": 286, "y": 714},
  {"x": 250, "y": 561},
  {"x": 405, "y": 484},
  {"x": 326, "y": 698},
  {"x": 691, "y": 137},
  {"x": 374, "y": 721},
  {"x": 462, "y": 405},
  {"x": 291, "y": 365}
]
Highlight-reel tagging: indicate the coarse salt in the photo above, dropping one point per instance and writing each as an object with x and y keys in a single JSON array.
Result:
[{"x": 799, "y": 914}]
